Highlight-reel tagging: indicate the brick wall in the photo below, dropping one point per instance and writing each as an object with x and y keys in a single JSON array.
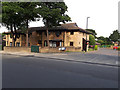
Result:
[{"x": 17, "y": 49}]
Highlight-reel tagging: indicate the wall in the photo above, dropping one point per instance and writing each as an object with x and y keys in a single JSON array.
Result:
[
  {"x": 77, "y": 39},
  {"x": 17, "y": 49},
  {"x": 21, "y": 40}
]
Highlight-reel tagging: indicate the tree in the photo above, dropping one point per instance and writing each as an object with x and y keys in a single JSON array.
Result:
[
  {"x": 104, "y": 40},
  {"x": 92, "y": 31},
  {"x": 100, "y": 41},
  {"x": 10, "y": 18},
  {"x": 53, "y": 13},
  {"x": 17, "y": 15},
  {"x": 115, "y": 36},
  {"x": 92, "y": 40}
]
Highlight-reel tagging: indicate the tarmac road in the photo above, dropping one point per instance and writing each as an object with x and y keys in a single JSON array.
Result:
[{"x": 32, "y": 72}]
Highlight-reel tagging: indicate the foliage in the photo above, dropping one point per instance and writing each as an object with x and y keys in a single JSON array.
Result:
[
  {"x": 96, "y": 47},
  {"x": 92, "y": 40},
  {"x": 17, "y": 15},
  {"x": 90, "y": 49},
  {"x": 119, "y": 48},
  {"x": 53, "y": 13},
  {"x": 100, "y": 41},
  {"x": 104, "y": 40},
  {"x": 92, "y": 31},
  {"x": 115, "y": 36}
]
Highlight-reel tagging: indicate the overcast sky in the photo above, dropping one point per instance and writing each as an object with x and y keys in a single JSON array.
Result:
[{"x": 103, "y": 15}]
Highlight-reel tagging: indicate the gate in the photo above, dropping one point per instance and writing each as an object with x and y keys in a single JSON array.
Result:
[{"x": 35, "y": 48}]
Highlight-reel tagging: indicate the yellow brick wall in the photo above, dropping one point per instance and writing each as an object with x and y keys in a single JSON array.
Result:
[{"x": 76, "y": 38}]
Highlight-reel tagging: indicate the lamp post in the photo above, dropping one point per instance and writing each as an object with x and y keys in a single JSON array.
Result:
[
  {"x": 86, "y": 30},
  {"x": 87, "y": 26}
]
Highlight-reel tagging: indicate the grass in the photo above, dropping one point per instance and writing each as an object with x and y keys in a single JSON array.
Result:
[{"x": 90, "y": 49}]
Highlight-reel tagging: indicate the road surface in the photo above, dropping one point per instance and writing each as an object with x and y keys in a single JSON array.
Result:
[{"x": 32, "y": 72}]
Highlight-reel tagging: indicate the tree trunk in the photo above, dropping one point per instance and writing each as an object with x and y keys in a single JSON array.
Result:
[
  {"x": 13, "y": 42},
  {"x": 27, "y": 34},
  {"x": 47, "y": 37},
  {"x": 27, "y": 38}
]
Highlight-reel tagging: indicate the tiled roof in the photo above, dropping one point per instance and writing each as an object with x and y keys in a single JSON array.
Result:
[
  {"x": 63, "y": 27},
  {"x": 68, "y": 26}
]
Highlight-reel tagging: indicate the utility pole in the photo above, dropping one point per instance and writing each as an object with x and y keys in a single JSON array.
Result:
[
  {"x": 87, "y": 26},
  {"x": 86, "y": 32}
]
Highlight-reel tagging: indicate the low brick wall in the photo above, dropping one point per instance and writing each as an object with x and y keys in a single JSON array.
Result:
[
  {"x": 73, "y": 49},
  {"x": 56, "y": 50},
  {"x": 41, "y": 50},
  {"x": 49, "y": 50},
  {"x": 17, "y": 49}
]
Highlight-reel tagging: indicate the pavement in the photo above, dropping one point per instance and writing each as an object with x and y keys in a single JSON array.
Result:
[{"x": 102, "y": 56}]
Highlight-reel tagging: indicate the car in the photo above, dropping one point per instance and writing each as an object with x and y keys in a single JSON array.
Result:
[{"x": 115, "y": 47}]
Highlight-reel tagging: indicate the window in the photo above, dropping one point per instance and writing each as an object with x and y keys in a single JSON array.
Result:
[
  {"x": 54, "y": 44},
  {"x": 71, "y": 33},
  {"x": 71, "y": 43},
  {"x": 39, "y": 42},
  {"x": 45, "y": 43},
  {"x": 60, "y": 44},
  {"x": 29, "y": 44},
  {"x": 18, "y": 44},
  {"x": 10, "y": 43}
]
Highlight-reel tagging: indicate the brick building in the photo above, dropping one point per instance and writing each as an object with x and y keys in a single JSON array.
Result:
[{"x": 66, "y": 35}]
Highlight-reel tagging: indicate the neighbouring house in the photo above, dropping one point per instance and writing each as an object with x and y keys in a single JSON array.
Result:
[{"x": 67, "y": 35}]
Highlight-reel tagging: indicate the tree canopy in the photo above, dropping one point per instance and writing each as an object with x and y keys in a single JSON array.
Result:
[
  {"x": 17, "y": 15},
  {"x": 53, "y": 13},
  {"x": 115, "y": 36},
  {"x": 92, "y": 31}
]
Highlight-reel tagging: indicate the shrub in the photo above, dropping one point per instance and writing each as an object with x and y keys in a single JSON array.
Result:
[
  {"x": 96, "y": 47},
  {"x": 119, "y": 48}
]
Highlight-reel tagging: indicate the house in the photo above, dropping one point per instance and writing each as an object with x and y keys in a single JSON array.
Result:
[{"x": 67, "y": 35}]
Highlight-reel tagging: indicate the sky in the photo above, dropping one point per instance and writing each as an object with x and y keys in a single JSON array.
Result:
[{"x": 103, "y": 15}]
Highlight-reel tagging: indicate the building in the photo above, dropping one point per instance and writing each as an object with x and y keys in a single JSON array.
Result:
[{"x": 67, "y": 35}]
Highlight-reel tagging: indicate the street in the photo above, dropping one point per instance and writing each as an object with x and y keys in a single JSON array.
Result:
[{"x": 33, "y": 72}]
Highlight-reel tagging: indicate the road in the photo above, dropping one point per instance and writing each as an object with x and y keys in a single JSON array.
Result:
[{"x": 32, "y": 72}]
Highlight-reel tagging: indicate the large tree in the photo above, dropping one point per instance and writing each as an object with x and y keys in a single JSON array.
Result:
[
  {"x": 53, "y": 13},
  {"x": 92, "y": 31},
  {"x": 104, "y": 40},
  {"x": 10, "y": 18},
  {"x": 115, "y": 36},
  {"x": 17, "y": 15}
]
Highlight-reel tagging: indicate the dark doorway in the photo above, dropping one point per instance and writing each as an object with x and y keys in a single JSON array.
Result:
[
  {"x": 84, "y": 45},
  {"x": 57, "y": 44}
]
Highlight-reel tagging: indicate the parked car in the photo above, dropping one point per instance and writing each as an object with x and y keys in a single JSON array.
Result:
[{"x": 115, "y": 47}]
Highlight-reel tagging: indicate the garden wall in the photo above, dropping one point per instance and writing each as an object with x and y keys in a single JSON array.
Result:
[{"x": 17, "y": 49}]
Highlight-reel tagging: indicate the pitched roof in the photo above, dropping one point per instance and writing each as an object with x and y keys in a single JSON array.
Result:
[
  {"x": 67, "y": 27},
  {"x": 62, "y": 27}
]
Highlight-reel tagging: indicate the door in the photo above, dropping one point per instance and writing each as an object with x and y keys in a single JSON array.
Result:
[
  {"x": 84, "y": 45},
  {"x": 57, "y": 44}
]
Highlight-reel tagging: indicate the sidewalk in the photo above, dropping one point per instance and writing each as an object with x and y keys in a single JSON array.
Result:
[{"x": 90, "y": 57}]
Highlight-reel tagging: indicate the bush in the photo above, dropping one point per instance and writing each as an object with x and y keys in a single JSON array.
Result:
[
  {"x": 92, "y": 40},
  {"x": 96, "y": 47},
  {"x": 119, "y": 48}
]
